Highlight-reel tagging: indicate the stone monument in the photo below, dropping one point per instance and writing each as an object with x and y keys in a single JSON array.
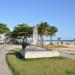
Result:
[
  {"x": 35, "y": 36},
  {"x": 34, "y": 51}
]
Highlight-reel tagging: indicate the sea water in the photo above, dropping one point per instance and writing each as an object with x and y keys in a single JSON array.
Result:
[{"x": 65, "y": 42}]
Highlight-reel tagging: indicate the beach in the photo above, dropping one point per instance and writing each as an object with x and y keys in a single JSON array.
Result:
[{"x": 68, "y": 48}]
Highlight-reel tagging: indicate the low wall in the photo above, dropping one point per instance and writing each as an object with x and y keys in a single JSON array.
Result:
[{"x": 38, "y": 54}]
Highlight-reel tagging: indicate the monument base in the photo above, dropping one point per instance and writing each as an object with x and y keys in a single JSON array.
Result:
[{"x": 38, "y": 54}]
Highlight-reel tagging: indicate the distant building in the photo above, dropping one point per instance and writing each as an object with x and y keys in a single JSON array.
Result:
[{"x": 2, "y": 36}]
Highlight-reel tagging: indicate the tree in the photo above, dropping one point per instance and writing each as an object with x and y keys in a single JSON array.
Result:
[
  {"x": 22, "y": 30},
  {"x": 4, "y": 28},
  {"x": 8, "y": 34},
  {"x": 42, "y": 29},
  {"x": 51, "y": 32}
]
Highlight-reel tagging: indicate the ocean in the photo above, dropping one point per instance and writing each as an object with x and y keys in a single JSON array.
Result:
[{"x": 66, "y": 42}]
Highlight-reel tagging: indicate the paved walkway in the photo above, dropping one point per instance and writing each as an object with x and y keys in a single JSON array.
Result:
[
  {"x": 4, "y": 70},
  {"x": 69, "y": 54}
]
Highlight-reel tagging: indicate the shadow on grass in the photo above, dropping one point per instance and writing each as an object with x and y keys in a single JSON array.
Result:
[
  {"x": 69, "y": 72},
  {"x": 16, "y": 53}
]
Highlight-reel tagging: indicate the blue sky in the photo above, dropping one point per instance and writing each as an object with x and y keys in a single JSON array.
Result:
[{"x": 60, "y": 13}]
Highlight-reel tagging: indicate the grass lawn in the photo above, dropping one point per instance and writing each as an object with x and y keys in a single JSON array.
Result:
[{"x": 44, "y": 66}]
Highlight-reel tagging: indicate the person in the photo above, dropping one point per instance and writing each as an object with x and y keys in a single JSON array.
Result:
[
  {"x": 62, "y": 42},
  {"x": 24, "y": 45}
]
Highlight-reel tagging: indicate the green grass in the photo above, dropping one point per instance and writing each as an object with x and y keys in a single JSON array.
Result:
[{"x": 44, "y": 66}]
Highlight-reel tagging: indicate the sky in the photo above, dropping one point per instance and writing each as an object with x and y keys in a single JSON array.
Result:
[{"x": 60, "y": 13}]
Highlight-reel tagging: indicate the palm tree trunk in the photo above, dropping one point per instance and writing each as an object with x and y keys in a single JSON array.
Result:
[
  {"x": 26, "y": 38},
  {"x": 51, "y": 40},
  {"x": 42, "y": 40}
]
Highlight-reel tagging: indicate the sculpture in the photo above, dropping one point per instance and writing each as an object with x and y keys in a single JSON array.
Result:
[{"x": 24, "y": 45}]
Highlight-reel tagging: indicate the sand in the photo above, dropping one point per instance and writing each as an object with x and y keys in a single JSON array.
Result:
[{"x": 69, "y": 48}]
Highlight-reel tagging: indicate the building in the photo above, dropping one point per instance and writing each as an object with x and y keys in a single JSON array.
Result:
[{"x": 2, "y": 38}]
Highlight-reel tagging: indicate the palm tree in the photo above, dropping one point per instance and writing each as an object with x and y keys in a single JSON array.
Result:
[
  {"x": 51, "y": 32},
  {"x": 59, "y": 39},
  {"x": 42, "y": 29}
]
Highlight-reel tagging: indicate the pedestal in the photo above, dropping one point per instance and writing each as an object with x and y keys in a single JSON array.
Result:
[{"x": 38, "y": 54}]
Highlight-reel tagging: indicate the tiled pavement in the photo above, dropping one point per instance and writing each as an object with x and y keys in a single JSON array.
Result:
[{"x": 4, "y": 69}]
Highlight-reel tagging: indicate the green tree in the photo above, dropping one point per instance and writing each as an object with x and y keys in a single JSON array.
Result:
[
  {"x": 22, "y": 30},
  {"x": 42, "y": 29},
  {"x": 4, "y": 28},
  {"x": 51, "y": 32}
]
